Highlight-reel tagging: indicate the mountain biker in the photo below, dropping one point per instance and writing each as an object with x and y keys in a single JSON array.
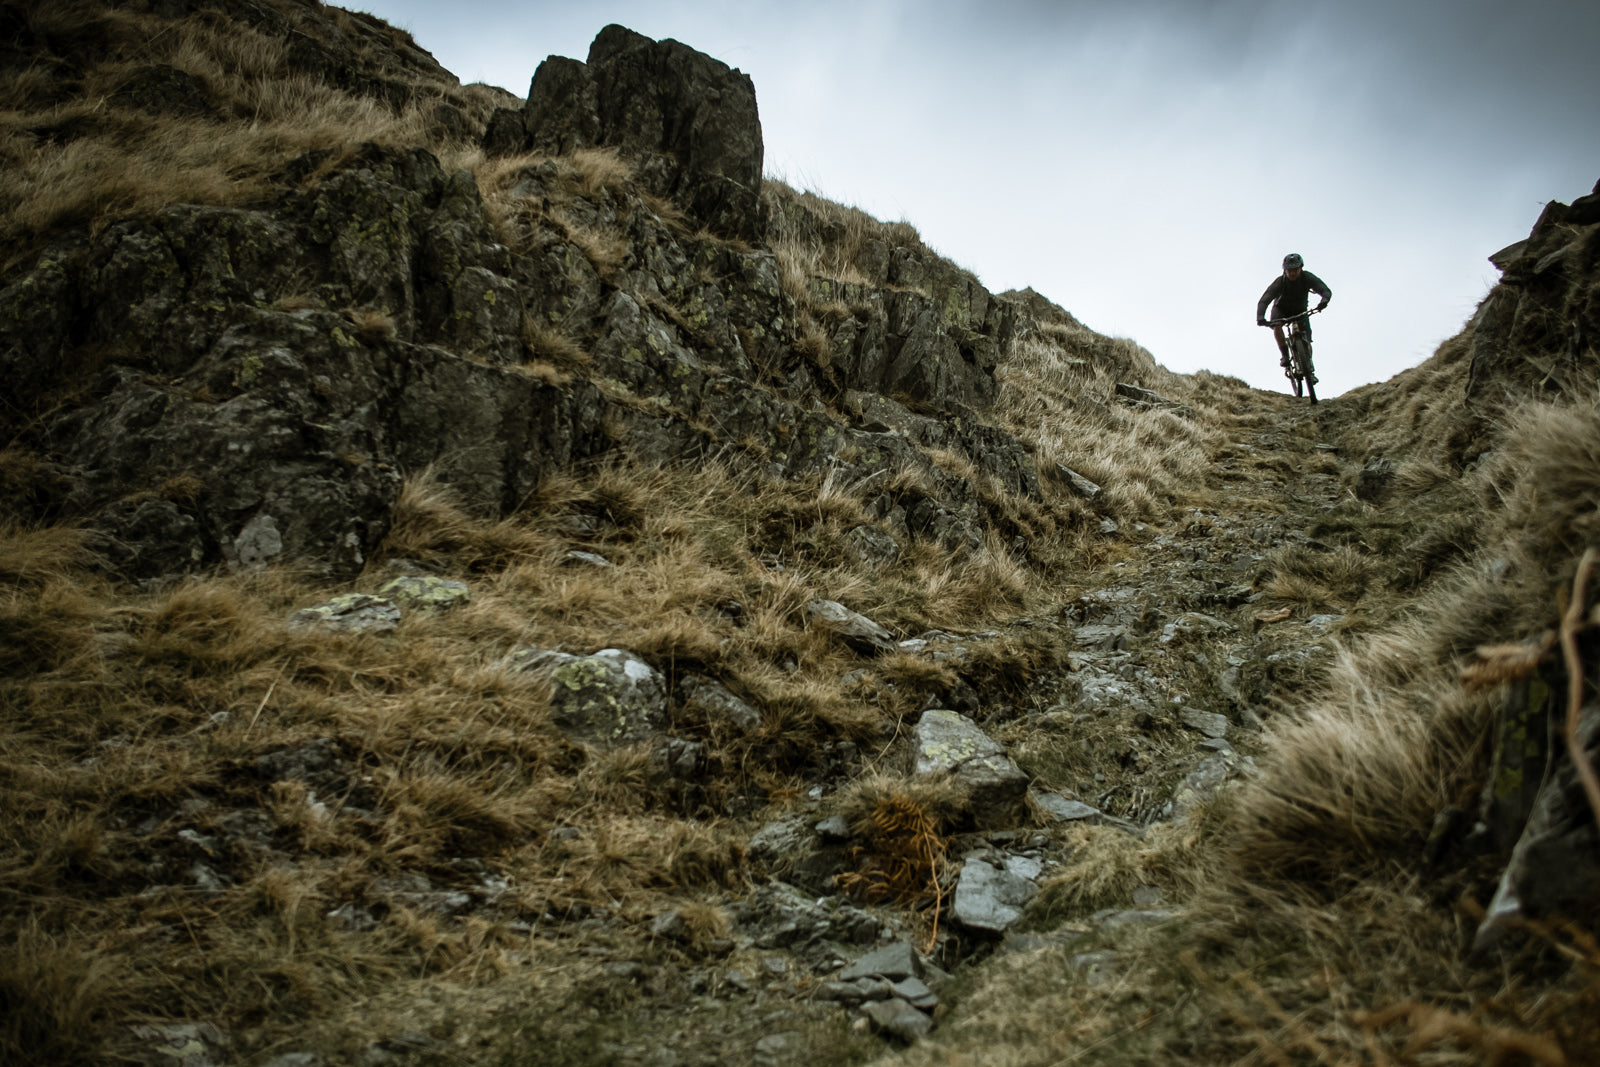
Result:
[{"x": 1287, "y": 294}]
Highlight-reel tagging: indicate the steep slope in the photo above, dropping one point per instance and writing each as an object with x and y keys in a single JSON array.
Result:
[{"x": 498, "y": 581}]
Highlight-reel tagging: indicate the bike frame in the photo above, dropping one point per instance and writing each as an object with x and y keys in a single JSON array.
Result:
[{"x": 1299, "y": 347}]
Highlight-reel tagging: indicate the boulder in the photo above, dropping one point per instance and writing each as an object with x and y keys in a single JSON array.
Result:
[
  {"x": 990, "y": 898},
  {"x": 994, "y": 789},
  {"x": 611, "y": 697}
]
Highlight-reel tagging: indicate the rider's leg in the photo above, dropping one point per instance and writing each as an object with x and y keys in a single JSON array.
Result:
[
  {"x": 1306, "y": 327},
  {"x": 1283, "y": 346}
]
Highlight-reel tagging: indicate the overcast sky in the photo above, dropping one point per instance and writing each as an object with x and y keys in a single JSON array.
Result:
[{"x": 1146, "y": 164}]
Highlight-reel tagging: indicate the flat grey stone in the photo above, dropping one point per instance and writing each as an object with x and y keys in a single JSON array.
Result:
[
  {"x": 916, "y": 992},
  {"x": 1057, "y": 808},
  {"x": 1024, "y": 867},
  {"x": 857, "y": 631},
  {"x": 898, "y": 1018},
  {"x": 1207, "y": 722},
  {"x": 1053, "y": 808},
  {"x": 894, "y": 962},
  {"x": 988, "y": 898}
]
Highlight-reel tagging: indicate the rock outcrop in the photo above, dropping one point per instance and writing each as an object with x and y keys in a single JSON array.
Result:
[
  {"x": 690, "y": 122},
  {"x": 222, "y": 385},
  {"x": 1544, "y": 303}
]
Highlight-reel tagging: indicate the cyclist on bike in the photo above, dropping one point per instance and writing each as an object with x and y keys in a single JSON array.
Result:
[{"x": 1287, "y": 294}]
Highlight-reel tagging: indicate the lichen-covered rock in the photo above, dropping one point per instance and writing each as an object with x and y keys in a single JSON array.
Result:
[
  {"x": 426, "y": 592},
  {"x": 352, "y": 613},
  {"x": 611, "y": 697},
  {"x": 994, "y": 788}
]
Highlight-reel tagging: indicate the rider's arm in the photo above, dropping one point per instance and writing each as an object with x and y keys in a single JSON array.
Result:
[
  {"x": 1320, "y": 287},
  {"x": 1268, "y": 297}
]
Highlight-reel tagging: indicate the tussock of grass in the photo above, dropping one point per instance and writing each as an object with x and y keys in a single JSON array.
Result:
[
  {"x": 817, "y": 238},
  {"x": 1318, "y": 580},
  {"x": 1107, "y": 865},
  {"x": 1058, "y": 394},
  {"x": 523, "y": 192}
]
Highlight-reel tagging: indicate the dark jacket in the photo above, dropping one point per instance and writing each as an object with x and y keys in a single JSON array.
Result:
[{"x": 1290, "y": 296}]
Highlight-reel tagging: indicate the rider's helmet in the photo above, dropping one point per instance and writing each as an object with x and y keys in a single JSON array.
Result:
[{"x": 1292, "y": 261}]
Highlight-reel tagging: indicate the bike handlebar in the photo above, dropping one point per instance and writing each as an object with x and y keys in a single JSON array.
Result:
[{"x": 1302, "y": 315}]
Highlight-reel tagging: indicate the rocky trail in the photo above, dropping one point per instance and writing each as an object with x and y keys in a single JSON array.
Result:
[
  {"x": 489, "y": 579},
  {"x": 1173, "y": 657},
  {"x": 1151, "y": 716}
]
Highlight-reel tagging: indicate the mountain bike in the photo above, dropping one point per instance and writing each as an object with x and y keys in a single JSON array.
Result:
[{"x": 1299, "y": 370}]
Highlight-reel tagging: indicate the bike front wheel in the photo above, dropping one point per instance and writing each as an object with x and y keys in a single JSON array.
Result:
[{"x": 1302, "y": 368}]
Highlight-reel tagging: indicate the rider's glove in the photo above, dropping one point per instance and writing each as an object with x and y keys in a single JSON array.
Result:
[
  {"x": 1321, "y": 306},
  {"x": 1261, "y": 322}
]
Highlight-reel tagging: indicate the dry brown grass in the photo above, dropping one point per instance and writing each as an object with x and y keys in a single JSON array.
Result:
[
  {"x": 814, "y": 237},
  {"x": 78, "y": 154},
  {"x": 592, "y": 175},
  {"x": 1058, "y": 394},
  {"x": 458, "y": 762},
  {"x": 1318, "y": 580}
]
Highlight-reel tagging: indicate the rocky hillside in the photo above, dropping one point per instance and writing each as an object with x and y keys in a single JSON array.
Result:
[{"x": 491, "y": 580}]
